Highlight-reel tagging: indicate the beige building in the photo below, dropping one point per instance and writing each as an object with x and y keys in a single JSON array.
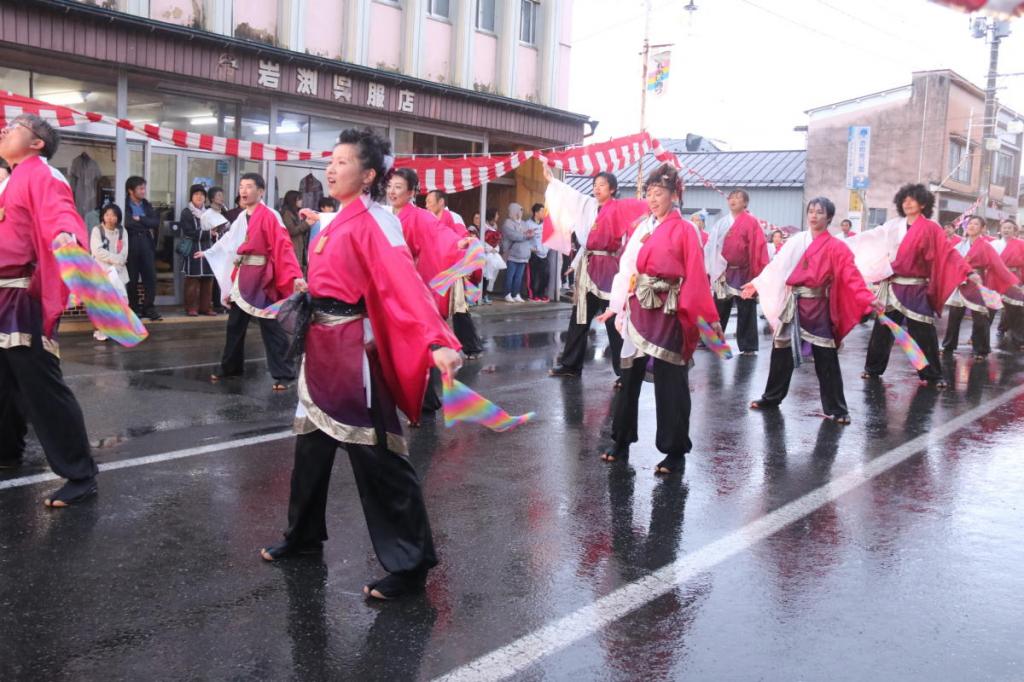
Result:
[{"x": 929, "y": 131}]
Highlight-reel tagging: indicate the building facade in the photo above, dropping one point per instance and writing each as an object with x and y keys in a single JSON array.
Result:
[
  {"x": 773, "y": 179},
  {"x": 929, "y": 131},
  {"x": 435, "y": 76}
]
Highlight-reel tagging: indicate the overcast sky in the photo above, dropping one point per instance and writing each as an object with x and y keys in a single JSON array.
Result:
[{"x": 744, "y": 71}]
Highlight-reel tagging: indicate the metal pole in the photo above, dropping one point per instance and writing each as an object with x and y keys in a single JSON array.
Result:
[
  {"x": 121, "y": 157},
  {"x": 989, "y": 122},
  {"x": 643, "y": 97}
]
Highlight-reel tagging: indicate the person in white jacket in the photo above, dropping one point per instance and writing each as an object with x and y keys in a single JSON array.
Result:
[{"x": 108, "y": 243}]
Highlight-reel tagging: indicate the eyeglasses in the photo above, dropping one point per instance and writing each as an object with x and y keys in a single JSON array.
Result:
[{"x": 14, "y": 124}]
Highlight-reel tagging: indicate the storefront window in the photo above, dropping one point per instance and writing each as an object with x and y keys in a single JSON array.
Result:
[
  {"x": 81, "y": 95},
  {"x": 17, "y": 81},
  {"x": 408, "y": 142},
  {"x": 180, "y": 112},
  {"x": 255, "y": 125},
  {"x": 292, "y": 130}
]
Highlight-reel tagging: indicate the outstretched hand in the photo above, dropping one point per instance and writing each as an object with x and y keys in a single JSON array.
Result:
[
  {"x": 605, "y": 316},
  {"x": 198, "y": 254},
  {"x": 447, "y": 360},
  {"x": 748, "y": 291}
]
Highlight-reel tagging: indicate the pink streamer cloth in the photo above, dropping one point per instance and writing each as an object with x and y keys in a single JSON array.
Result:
[
  {"x": 107, "y": 307},
  {"x": 470, "y": 262},
  {"x": 462, "y": 404},
  {"x": 905, "y": 343}
]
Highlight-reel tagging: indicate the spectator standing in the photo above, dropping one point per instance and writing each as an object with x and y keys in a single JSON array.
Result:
[
  {"x": 517, "y": 239},
  {"x": 198, "y": 274},
  {"x": 298, "y": 228},
  {"x": 108, "y": 243},
  {"x": 142, "y": 224},
  {"x": 538, "y": 256}
]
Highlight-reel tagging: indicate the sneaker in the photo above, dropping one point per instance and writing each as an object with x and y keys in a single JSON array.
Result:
[
  {"x": 99, "y": 336},
  {"x": 518, "y": 299},
  {"x": 509, "y": 299}
]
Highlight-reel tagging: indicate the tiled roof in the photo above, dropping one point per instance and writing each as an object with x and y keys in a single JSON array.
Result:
[{"x": 727, "y": 170}]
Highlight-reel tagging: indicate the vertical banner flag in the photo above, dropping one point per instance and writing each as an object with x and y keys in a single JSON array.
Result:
[
  {"x": 657, "y": 72},
  {"x": 858, "y": 149}
]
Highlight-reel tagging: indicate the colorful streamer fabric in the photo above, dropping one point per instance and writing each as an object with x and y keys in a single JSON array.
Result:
[
  {"x": 462, "y": 404},
  {"x": 905, "y": 342},
  {"x": 992, "y": 299},
  {"x": 712, "y": 340},
  {"x": 107, "y": 307},
  {"x": 470, "y": 262}
]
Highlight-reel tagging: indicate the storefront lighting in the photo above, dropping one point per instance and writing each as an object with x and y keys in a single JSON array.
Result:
[
  {"x": 64, "y": 99},
  {"x": 210, "y": 120},
  {"x": 286, "y": 127}
]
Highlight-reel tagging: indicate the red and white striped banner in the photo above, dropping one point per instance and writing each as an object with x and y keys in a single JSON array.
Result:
[
  {"x": 999, "y": 8},
  {"x": 12, "y": 106},
  {"x": 448, "y": 174}
]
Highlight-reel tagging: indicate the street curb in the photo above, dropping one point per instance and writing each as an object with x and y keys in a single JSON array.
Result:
[{"x": 173, "y": 317}]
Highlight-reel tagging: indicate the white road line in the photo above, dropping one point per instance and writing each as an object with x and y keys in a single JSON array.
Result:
[
  {"x": 519, "y": 655},
  {"x": 112, "y": 372},
  {"x": 154, "y": 459}
]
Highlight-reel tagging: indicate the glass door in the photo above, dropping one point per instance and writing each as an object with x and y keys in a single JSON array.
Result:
[{"x": 163, "y": 191}]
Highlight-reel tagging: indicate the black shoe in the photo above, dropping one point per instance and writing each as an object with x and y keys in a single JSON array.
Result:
[
  {"x": 154, "y": 315},
  {"x": 396, "y": 585},
  {"x": 286, "y": 549},
  {"x": 72, "y": 492},
  {"x": 563, "y": 371},
  {"x": 670, "y": 465}
]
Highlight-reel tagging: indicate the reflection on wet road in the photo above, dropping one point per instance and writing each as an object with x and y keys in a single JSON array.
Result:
[{"x": 791, "y": 548}]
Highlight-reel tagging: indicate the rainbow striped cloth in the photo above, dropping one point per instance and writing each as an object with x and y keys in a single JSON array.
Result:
[
  {"x": 107, "y": 307},
  {"x": 712, "y": 340},
  {"x": 462, "y": 404},
  {"x": 991, "y": 298},
  {"x": 905, "y": 342},
  {"x": 470, "y": 262}
]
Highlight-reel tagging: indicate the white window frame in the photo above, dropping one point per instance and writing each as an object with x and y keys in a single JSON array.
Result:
[
  {"x": 436, "y": 15},
  {"x": 959, "y": 169},
  {"x": 494, "y": 17},
  {"x": 534, "y": 14}
]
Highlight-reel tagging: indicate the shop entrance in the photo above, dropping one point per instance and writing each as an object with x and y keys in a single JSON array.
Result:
[{"x": 171, "y": 173}]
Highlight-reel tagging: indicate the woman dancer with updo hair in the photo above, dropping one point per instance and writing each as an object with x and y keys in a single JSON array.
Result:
[{"x": 375, "y": 330}]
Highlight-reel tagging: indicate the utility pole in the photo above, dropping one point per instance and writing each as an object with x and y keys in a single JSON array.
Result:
[
  {"x": 643, "y": 96},
  {"x": 646, "y": 53},
  {"x": 998, "y": 29}
]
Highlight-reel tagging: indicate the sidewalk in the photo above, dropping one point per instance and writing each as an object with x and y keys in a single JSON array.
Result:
[{"x": 176, "y": 317}]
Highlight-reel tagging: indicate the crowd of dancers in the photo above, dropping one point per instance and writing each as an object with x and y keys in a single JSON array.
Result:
[{"x": 367, "y": 338}]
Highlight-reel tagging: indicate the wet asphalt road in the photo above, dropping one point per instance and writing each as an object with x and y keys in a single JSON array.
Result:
[{"x": 915, "y": 574}]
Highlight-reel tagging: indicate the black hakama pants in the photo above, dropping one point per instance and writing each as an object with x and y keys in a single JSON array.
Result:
[
  {"x": 746, "y": 321},
  {"x": 32, "y": 390},
  {"x": 830, "y": 379},
  {"x": 576, "y": 339},
  {"x": 275, "y": 343},
  {"x": 671, "y": 402},
  {"x": 465, "y": 332},
  {"x": 880, "y": 346},
  {"x": 980, "y": 330},
  {"x": 389, "y": 491}
]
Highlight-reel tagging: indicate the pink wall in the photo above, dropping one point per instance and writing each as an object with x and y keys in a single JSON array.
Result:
[
  {"x": 526, "y": 73},
  {"x": 437, "y": 51},
  {"x": 256, "y": 20},
  {"x": 172, "y": 11},
  {"x": 325, "y": 28},
  {"x": 485, "y": 61},
  {"x": 385, "y": 48}
]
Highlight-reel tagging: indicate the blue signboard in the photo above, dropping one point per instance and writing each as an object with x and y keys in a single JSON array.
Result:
[{"x": 858, "y": 152}]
